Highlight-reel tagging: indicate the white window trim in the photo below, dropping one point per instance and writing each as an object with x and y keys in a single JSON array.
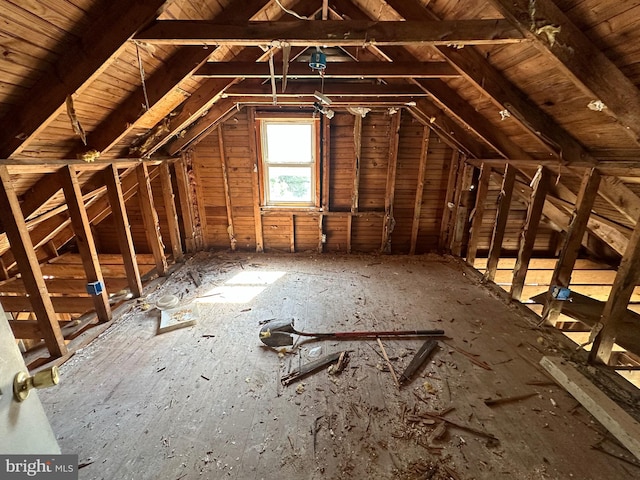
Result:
[{"x": 314, "y": 164}]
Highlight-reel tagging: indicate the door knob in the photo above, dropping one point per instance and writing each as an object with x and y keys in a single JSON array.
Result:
[{"x": 23, "y": 382}]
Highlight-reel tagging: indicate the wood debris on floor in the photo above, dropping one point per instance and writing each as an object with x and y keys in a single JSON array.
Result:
[{"x": 208, "y": 401}]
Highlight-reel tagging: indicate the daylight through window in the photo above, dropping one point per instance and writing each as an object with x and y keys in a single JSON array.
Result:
[{"x": 289, "y": 151}]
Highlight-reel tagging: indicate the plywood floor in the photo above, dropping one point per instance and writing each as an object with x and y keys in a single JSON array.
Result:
[{"x": 206, "y": 401}]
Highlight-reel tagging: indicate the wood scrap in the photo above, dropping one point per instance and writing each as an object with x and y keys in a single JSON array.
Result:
[
  {"x": 196, "y": 277},
  {"x": 418, "y": 360},
  {"x": 618, "y": 422},
  {"x": 459, "y": 425},
  {"x": 309, "y": 368},
  {"x": 490, "y": 402},
  {"x": 470, "y": 356},
  {"x": 386, "y": 358}
]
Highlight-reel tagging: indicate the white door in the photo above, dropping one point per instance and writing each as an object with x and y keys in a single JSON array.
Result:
[{"x": 23, "y": 425}]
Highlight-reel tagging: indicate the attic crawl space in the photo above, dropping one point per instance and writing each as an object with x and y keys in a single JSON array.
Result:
[{"x": 218, "y": 216}]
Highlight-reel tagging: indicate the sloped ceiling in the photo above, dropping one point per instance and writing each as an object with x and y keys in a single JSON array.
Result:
[{"x": 526, "y": 81}]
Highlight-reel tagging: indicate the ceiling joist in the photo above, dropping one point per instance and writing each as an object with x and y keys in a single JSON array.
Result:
[{"x": 331, "y": 33}]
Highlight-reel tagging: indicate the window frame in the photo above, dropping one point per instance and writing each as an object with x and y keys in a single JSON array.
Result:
[{"x": 262, "y": 121}]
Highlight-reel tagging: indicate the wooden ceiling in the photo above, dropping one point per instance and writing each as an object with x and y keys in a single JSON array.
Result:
[{"x": 528, "y": 82}]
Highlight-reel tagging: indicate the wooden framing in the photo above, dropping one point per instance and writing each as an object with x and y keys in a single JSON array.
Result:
[
  {"x": 159, "y": 85},
  {"x": 390, "y": 190},
  {"x": 325, "y": 202},
  {"x": 123, "y": 229},
  {"x": 417, "y": 206},
  {"x": 478, "y": 213},
  {"x": 345, "y": 70},
  {"x": 579, "y": 58},
  {"x": 573, "y": 240},
  {"x": 227, "y": 196},
  {"x": 331, "y": 33},
  {"x": 529, "y": 231},
  {"x": 292, "y": 235},
  {"x": 73, "y": 71},
  {"x": 150, "y": 219},
  {"x": 613, "y": 315},
  {"x": 84, "y": 239},
  {"x": 255, "y": 178},
  {"x": 504, "y": 202},
  {"x": 197, "y": 197},
  {"x": 16, "y": 229},
  {"x": 355, "y": 190},
  {"x": 448, "y": 201},
  {"x": 171, "y": 213},
  {"x": 460, "y": 219},
  {"x": 185, "y": 203}
]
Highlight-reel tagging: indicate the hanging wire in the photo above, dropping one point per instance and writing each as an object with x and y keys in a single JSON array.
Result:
[
  {"x": 291, "y": 12},
  {"x": 144, "y": 86}
]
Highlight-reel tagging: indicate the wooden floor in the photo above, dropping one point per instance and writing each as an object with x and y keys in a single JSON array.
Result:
[{"x": 206, "y": 401}]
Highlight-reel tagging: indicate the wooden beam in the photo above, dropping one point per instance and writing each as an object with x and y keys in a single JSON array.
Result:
[
  {"x": 22, "y": 248},
  {"x": 463, "y": 201},
  {"x": 64, "y": 304},
  {"x": 357, "y": 149},
  {"x": 210, "y": 91},
  {"x": 326, "y": 164},
  {"x": 171, "y": 212},
  {"x": 80, "y": 63},
  {"x": 618, "y": 422},
  {"x": 320, "y": 233},
  {"x": 292, "y": 234},
  {"x": 163, "y": 82},
  {"x": 334, "y": 89},
  {"x": 577, "y": 57},
  {"x": 529, "y": 231},
  {"x": 185, "y": 203},
  {"x": 335, "y": 70},
  {"x": 417, "y": 204},
  {"x": 255, "y": 178},
  {"x": 217, "y": 114},
  {"x": 349, "y": 227},
  {"x": 123, "y": 229},
  {"x": 573, "y": 240},
  {"x": 193, "y": 167},
  {"x": 627, "y": 278},
  {"x": 331, "y": 33},
  {"x": 504, "y": 202},
  {"x": 478, "y": 212},
  {"x": 150, "y": 219},
  {"x": 84, "y": 239},
  {"x": 39, "y": 193},
  {"x": 448, "y": 200},
  {"x": 390, "y": 191},
  {"x": 227, "y": 195}
]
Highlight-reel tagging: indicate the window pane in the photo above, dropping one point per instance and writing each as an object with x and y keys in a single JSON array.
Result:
[
  {"x": 290, "y": 184},
  {"x": 289, "y": 143}
]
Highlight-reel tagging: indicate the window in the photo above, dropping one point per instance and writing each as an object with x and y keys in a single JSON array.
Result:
[{"x": 289, "y": 161}]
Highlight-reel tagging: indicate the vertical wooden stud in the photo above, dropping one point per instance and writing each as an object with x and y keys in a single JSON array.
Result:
[
  {"x": 25, "y": 255},
  {"x": 292, "y": 235},
  {"x": 185, "y": 202},
  {"x": 170, "y": 209},
  {"x": 255, "y": 179},
  {"x": 573, "y": 240},
  {"x": 227, "y": 194},
  {"x": 459, "y": 221},
  {"x": 84, "y": 238},
  {"x": 123, "y": 229},
  {"x": 448, "y": 201},
  {"x": 390, "y": 190},
  {"x": 326, "y": 164},
  {"x": 357, "y": 147},
  {"x": 613, "y": 315},
  {"x": 504, "y": 202},
  {"x": 478, "y": 212},
  {"x": 529, "y": 231},
  {"x": 150, "y": 219},
  {"x": 417, "y": 206},
  {"x": 197, "y": 196}
]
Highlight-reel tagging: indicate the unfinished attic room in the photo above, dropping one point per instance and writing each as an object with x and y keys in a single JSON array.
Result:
[{"x": 320, "y": 239}]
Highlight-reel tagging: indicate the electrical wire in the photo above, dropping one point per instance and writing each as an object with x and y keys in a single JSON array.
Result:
[{"x": 291, "y": 12}]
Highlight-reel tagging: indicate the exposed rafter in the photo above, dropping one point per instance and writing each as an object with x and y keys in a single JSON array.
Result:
[{"x": 81, "y": 63}]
